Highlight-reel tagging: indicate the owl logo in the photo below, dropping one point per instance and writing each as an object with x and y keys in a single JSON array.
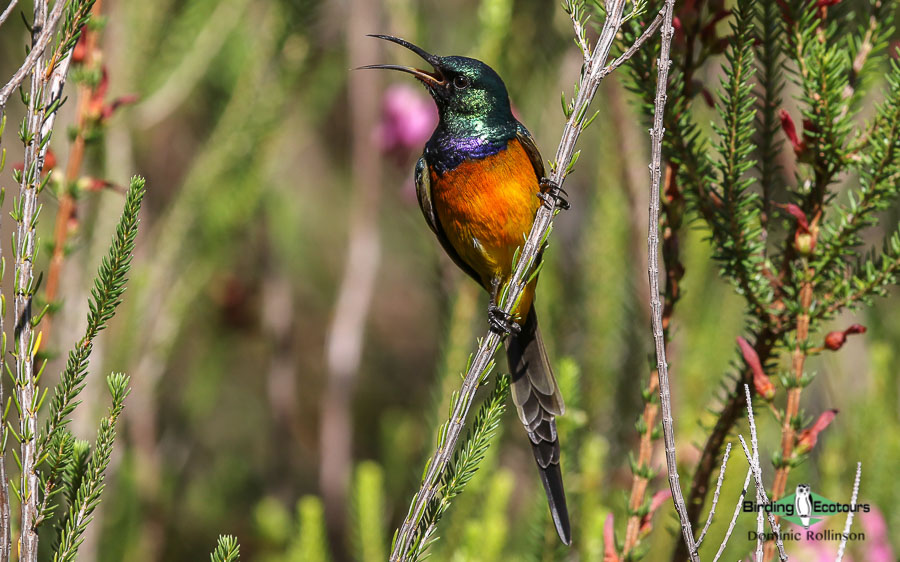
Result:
[{"x": 803, "y": 504}]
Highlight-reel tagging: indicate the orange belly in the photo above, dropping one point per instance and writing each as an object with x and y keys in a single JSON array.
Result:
[{"x": 486, "y": 208}]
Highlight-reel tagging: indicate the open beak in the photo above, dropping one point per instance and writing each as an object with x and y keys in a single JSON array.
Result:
[{"x": 429, "y": 78}]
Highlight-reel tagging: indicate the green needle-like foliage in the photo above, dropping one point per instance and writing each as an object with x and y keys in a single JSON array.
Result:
[
  {"x": 106, "y": 295},
  {"x": 464, "y": 464},
  {"x": 227, "y": 550},
  {"x": 770, "y": 74},
  {"x": 879, "y": 168},
  {"x": 91, "y": 484},
  {"x": 739, "y": 244}
]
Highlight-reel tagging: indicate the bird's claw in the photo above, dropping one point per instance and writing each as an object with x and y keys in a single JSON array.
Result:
[
  {"x": 502, "y": 322},
  {"x": 552, "y": 195}
]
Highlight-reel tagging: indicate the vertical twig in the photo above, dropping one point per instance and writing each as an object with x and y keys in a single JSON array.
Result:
[
  {"x": 24, "y": 335},
  {"x": 734, "y": 516},
  {"x": 753, "y": 459},
  {"x": 665, "y": 396},
  {"x": 853, "y": 496},
  {"x": 712, "y": 509},
  {"x": 762, "y": 499},
  {"x": 47, "y": 82},
  {"x": 482, "y": 361},
  {"x": 792, "y": 408}
]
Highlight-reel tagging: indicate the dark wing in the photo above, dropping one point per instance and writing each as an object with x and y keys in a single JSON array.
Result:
[
  {"x": 531, "y": 149},
  {"x": 423, "y": 194}
]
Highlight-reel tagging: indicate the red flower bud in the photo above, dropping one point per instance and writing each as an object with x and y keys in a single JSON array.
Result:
[
  {"x": 797, "y": 213},
  {"x": 679, "y": 30},
  {"x": 609, "y": 541},
  {"x": 804, "y": 236},
  {"x": 835, "y": 340},
  {"x": 787, "y": 125},
  {"x": 808, "y": 437},
  {"x": 761, "y": 382},
  {"x": 79, "y": 52}
]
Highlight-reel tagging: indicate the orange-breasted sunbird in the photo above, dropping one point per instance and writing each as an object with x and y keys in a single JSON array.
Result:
[{"x": 479, "y": 184}]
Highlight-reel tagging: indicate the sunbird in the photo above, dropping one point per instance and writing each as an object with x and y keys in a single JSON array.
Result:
[{"x": 479, "y": 184}]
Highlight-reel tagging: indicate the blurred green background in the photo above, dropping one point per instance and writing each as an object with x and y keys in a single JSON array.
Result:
[{"x": 268, "y": 406}]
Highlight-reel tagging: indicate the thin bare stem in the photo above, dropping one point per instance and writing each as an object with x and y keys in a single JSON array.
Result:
[
  {"x": 648, "y": 32},
  {"x": 846, "y": 533},
  {"x": 760, "y": 529},
  {"x": 753, "y": 458},
  {"x": 665, "y": 396},
  {"x": 44, "y": 101},
  {"x": 44, "y": 30},
  {"x": 763, "y": 499},
  {"x": 26, "y": 386},
  {"x": 734, "y": 516},
  {"x": 7, "y": 11},
  {"x": 482, "y": 361},
  {"x": 712, "y": 509}
]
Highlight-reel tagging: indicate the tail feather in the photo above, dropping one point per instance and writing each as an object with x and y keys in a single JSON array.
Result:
[{"x": 538, "y": 402}]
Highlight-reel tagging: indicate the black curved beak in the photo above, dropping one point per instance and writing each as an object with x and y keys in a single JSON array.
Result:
[{"x": 429, "y": 78}]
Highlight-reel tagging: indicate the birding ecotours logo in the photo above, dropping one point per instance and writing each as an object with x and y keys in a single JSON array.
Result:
[{"x": 805, "y": 507}]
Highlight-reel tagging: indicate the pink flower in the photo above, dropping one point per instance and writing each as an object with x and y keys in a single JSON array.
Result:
[
  {"x": 659, "y": 498},
  {"x": 761, "y": 382},
  {"x": 408, "y": 118},
  {"x": 787, "y": 125},
  {"x": 877, "y": 546},
  {"x": 809, "y": 436},
  {"x": 609, "y": 540},
  {"x": 101, "y": 110}
]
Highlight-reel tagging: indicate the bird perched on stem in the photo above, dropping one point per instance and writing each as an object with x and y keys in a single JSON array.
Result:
[{"x": 479, "y": 185}]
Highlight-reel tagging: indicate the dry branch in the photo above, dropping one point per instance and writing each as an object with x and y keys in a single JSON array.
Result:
[{"x": 665, "y": 396}]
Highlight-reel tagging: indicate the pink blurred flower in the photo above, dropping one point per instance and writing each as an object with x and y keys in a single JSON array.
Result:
[
  {"x": 877, "y": 546},
  {"x": 407, "y": 119}
]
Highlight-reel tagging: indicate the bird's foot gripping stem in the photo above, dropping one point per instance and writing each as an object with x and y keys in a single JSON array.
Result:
[
  {"x": 553, "y": 195},
  {"x": 502, "y": 322}
]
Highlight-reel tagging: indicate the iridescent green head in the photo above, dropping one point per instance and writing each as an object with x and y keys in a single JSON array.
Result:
[{"x": 470, "y": 96}]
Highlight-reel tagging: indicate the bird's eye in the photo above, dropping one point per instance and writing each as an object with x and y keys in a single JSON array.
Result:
[{"x": 461, "y": 82}]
